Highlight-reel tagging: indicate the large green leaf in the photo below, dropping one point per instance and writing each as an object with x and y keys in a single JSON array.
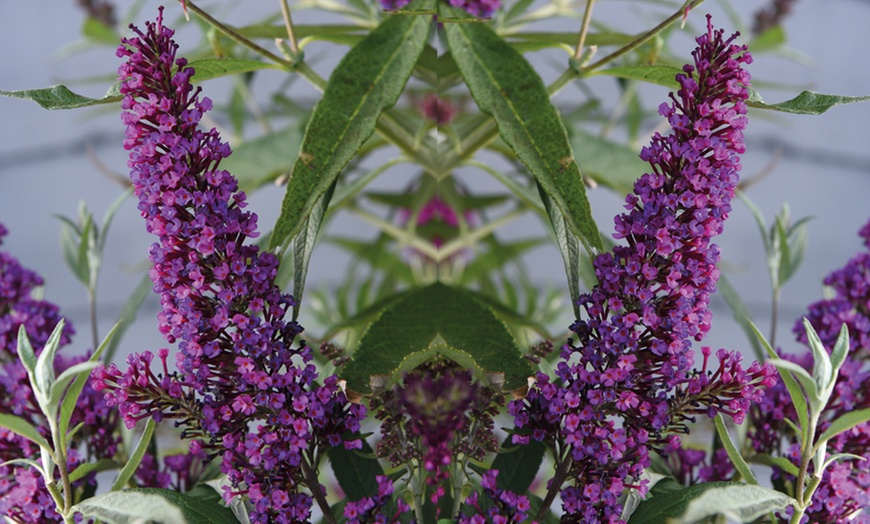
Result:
[
  {"x": 154, "y": 505},
  {"x": 356, "y": 471},
  {"x": 518, "y": 465},
  {"x": 21, "y": 427},
  {"x": 505, "y": 86},
  {"x": 611, "y": 164},
  {"x": 261, "y": 160},
  {"x": 806, "y": 103},
  {"x": 433, "y": 321},
  {"x": 735, "y": 500},
  {"x": 368, "y": 80}
]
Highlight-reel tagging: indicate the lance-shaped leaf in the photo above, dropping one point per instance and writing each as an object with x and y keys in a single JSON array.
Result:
[
  {"x": 368, "y": 80},
  {"x": 153, "y": 505},
  {"x": 431, "y": 322},
  {"x": 505, "y": 86},
  {"x": 60, "y": 96}
]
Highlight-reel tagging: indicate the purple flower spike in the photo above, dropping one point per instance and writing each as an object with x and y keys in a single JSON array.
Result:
[
  {"x": 627, "y": 382},
  {"x": 242, "y": 390}
]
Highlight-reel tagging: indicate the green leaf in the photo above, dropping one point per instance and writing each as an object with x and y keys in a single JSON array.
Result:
[
  {"x": 740, "y": 313},
  {"x": 806, "y": 103},
  {"x": 127, "y": 316},
  {"x": 60, "y": 97},
  {"x": 735, "y": 500},
  {"x": 434, "y": 321},
  {"x": 100, "y": 32},
  {"x": 25, "y": 351},
  {"x": 518, "y": 465},
  {"x": 303, "y": 245},
  {"x": 68, "y": 375},
  {"x": 261, "y": 160},
  {"x": 797, "y": 396},
  {"x": 779, "y": 462},
  {"x": 89, "y": 467},
  {"x": 795, "y": 370},
  {"x": 769, "y": 39},
  {"x": 356, "y": 470},
  {"x": 368, "y": 80},
  {"x": 663, "y": 75},
  {"x": 568, "y": 244},
  {"x": 132, "y": 464},
  {"x": 823, "y": 371},
  {"x": 505, "y": 86},
  {"x": 611, "y": 164},
  {"x": 846, "y": 422},
  {"x": 736, "y": 458},
  {"x": 841, "y": 350},
  {"x": 497, "y": 256},
  {"x": 43, "y": 376},
  {"x": 153, "y": 505},
  {"x": 208, "y": 68},
  {"x": 21, "y": 427}
]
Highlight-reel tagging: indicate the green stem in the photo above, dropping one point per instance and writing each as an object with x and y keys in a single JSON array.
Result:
[
  {"x": 92, "y": 306},
  {"x": 644, "y": 38},
  {"x": 233, "y": 35},
  {"x": 584, "y": 28},
  {"x": 288, "y": 23},
  {"x": 455, "y": 246},
  {"x": 774, "y": 316},
  {"x": 427, "y": 248}
]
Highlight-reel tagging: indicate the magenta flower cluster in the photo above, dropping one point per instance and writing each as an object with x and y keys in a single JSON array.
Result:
[
  {"x": 626, "y": 383},
  {"x": 23, "y": 495},
  {"x": 242, "y": 391},
  {"x": 844, "y": 492}
]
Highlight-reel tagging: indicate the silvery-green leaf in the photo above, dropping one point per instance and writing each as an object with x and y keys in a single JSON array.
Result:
[{"x": 822, "y": 369}]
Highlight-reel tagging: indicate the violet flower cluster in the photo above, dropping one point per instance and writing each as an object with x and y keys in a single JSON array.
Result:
[
  {"x": 243, "y": 392},
  {"x": 626, "y": 384},
  {"x": 23, "y": 494},
  {"x": 844, "y": 492},
  {"x": 497, "y": 506}
]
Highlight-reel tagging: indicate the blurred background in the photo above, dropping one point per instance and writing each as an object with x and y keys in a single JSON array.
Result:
[{"x": 819, "y": 165}]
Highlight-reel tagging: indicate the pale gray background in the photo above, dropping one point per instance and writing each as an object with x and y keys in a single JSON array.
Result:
[{"x": 824, "y": 172}]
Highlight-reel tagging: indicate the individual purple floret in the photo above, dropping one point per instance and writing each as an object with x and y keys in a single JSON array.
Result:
[
  {"x": 626, "y": 384},
  {"x": 243, "y": 391},
  {"x": 844, "y": 491}
]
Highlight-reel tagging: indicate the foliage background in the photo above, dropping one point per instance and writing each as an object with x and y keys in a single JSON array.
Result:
[{"x": 821, "y": 165}]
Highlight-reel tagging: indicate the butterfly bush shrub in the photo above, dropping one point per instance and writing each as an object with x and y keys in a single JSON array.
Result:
[{"x": 422, "y": 405}]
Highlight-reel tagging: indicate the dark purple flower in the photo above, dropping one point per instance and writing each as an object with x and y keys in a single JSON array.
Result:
[
  {"x": 496, "y": 506},
  {"x": 242, "y": 390},
  {"x": 627, "y": 383}
]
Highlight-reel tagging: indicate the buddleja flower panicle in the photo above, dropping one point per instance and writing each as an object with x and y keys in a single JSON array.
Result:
[
  {"x": 245, "y": 388},
  {"x": 626, "y": 382}
]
